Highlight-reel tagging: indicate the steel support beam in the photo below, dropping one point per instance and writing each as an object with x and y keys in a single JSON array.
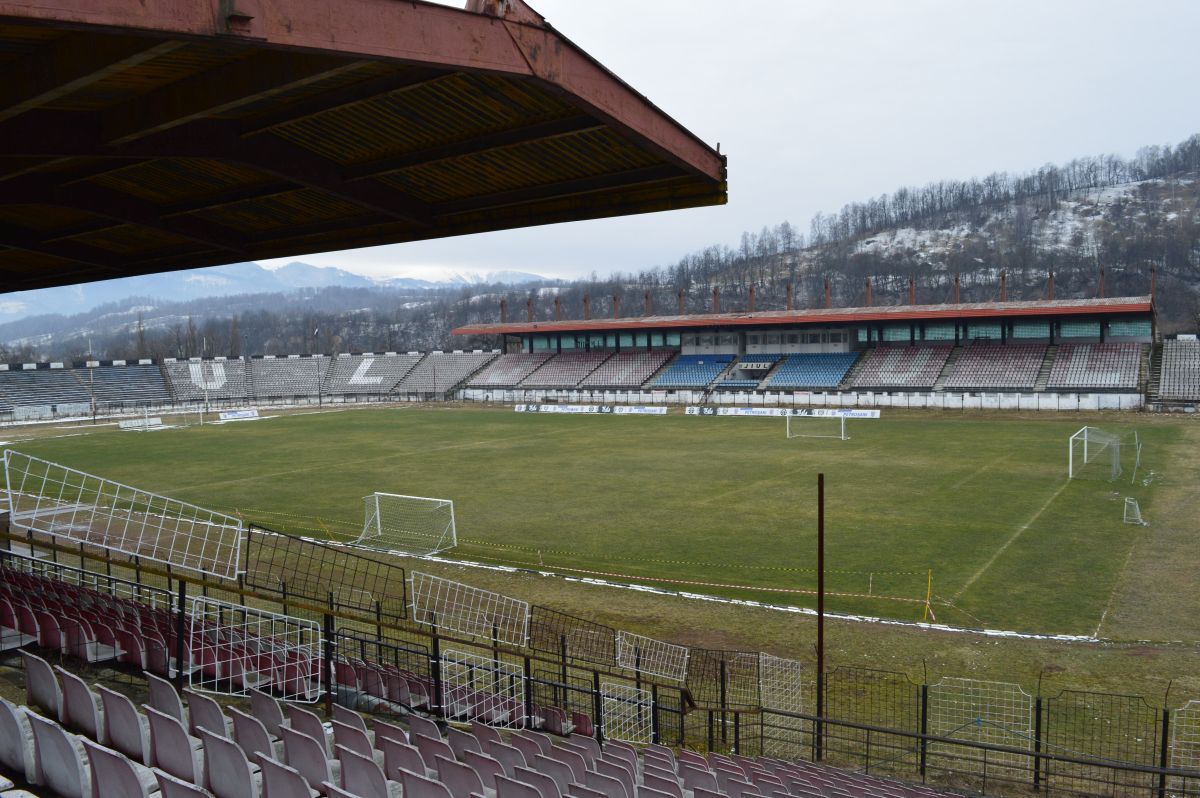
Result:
[
  {"x": 69, "y": 64},
  {"x": 219, "y": 91}
]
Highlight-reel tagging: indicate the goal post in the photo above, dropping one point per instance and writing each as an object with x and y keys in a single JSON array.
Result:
[
  {"x": 411, "y": 524},
  {"x": 823, "y": 422},
  {"x": 803, "y": 426},
  {"x": 1096, "y": 453}
]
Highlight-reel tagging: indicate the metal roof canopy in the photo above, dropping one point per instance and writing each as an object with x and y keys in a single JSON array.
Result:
[
  {"x": 140, "y": 136},
  {"x": 778, "y": 318}
]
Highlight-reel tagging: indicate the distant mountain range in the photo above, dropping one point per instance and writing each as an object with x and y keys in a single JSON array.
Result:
[{"x": 232, "y": 280}]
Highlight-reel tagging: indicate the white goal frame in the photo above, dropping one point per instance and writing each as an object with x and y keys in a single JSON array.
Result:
[
  {"x": 417, "y": 525},
  {"x": 805, "y": 420},
  {"x": 1092, "y": 444}
]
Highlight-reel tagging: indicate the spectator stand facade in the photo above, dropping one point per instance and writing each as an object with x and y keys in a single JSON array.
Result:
[{"x": 1056, "y": 354}]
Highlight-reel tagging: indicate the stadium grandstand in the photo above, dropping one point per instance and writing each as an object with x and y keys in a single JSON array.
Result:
[{"x": 1092, "y": 354}]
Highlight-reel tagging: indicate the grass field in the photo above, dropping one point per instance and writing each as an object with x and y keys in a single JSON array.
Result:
[{"x": 724, "y": 506}]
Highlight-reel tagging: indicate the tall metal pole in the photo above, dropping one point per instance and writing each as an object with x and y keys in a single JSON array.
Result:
[{"x": 820, "y": 613}]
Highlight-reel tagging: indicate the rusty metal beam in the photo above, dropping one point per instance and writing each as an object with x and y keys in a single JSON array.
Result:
[
  {"x": 118, "y": 207},
  {"x": 339, "y": 99},
  {"x": 218, "y": 91},
  {"x": 540, "y": 131},
  {"x": 55, "y": 134},
  {"x": 69, "y": 64},
  {"x": 561, "y": 189},
  {"x": 15, "y": 237}
]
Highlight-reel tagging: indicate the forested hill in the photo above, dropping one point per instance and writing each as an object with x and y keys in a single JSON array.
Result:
[{"x": 1124, "y": 215}]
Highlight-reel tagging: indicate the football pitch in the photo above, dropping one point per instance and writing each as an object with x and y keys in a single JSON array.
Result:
[{"x": 969, "y": 517}]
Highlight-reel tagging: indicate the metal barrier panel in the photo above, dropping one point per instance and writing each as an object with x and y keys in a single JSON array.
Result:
[
  {"x": 627, "y": 713},
  {"x": 238, "y": 649},
  {"x": 51, "y": 499},
  {"x": 482, "y": 688},
  {"x": 999, "y": 713},
  {"x": 782, "y": 688},
  {"x": 453, "y": 606},
  {"x": 308, "y": 570},
  {"x": 653, "y": 657},
  {"x": 1185, "y": 746}
]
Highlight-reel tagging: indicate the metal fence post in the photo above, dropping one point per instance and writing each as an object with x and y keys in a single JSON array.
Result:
[
  {"x": 1037, "y": 744},
  {"x": 435, "y": 666},
  {"x": 180, "y": 632},
  {"x": 818, "y": 728},
  {"x": 722, "y": 686},
  {"x": 528, "y": 691},
  {"x": 1163, "y": 750},
  {"x": 327, "y": 662},
  {"x": 924, "y": 727},
  {"x": 598, "y": 706},
  {"x": 654, "y": 734}
]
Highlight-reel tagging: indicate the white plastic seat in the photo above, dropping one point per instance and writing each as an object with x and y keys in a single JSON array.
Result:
[
  {"x": 17, "y": 749},
  {"x": 608, "y": 785},
  {"x": 485, "y": 734},
  {"x": 559, "y": 771},
  {"x": 573, "y": 759},
  {"x": 461, "y": 741},
  {"x": 461, "y": 779},
  {"x": 165, "y": 698},
  {"x": 282, "y": 781},
  {"x": 252, "y": 737},
  {"x": 203, "y": 711},
  {"x": 399, "y": 756},
  {"x": 668, "y": 786},
  {"x": 582, "y": 791},
  {"x": 618, "y": 771},
  {"x": 308, "y": 756},
  {"x": 227, "y": 772},
  {"x": 510, "y": 788},
  {"x": 487, "y": 767},
  {"x": 41, "y": 686},
  {"x": 355, "y": 739},
  {"x": 264, "y": 707},
  {"x": 353, "y": 719},
  {"x": 425, "y": 726},
  {"x": 171, "y": 787},
  {"x": 81, "y": 708},
  {"x": 310, "y": 723},
  {"x": 420, "y": 787},
  {"x": 364, "y": 778},
  {"x": 172, "y": 749},
  {"x": 431, "y": 749},
  {"x": 61, "y": 759},
  {"x": 125, "y": 729},
  {"x": 389, "y": 731},
  {"x": 644, "y": 791},
  {"x": 544, "y": 784},
  {"x": 510, "y": 758},
  {"x": 115, "y": 776}
]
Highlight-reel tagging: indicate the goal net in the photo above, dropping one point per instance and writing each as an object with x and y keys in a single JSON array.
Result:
[
  {"x": 803, "y": 425},
  {"x": 410, "y": 524},
  {"x": 1095, "y": 453}
]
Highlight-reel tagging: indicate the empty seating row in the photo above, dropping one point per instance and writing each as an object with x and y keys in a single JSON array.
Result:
[
  {"x": 282, "y": 378},
  {"x": 812, "y": 370},
  {"x": 901, "y": 367},
  {"x": 125, "y": 385},
  {"x": 197, "y": 381},
  {"x": 1180, "y": 376},
  {"x": 627, "y": 369},
  {"x": 508, "y": 370},
  {"x": 23, "y": 388},
  {"x": 565, "y": 370},
  {"x": 990, "y": 366},
  {"x": 693, "y": 371},
  {"x": 1096, "y": 367},
  {"x": 350, "y": 375},
  {"x": 440, "y": 372}
]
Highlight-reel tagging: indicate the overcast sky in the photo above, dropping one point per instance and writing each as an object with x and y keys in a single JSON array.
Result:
[{"x": 822, "y": 102}]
